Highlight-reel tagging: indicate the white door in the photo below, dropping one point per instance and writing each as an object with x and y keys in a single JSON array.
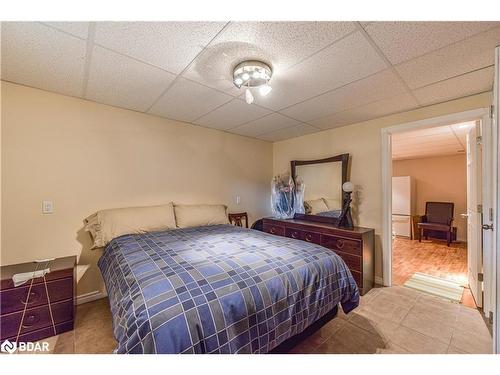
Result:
[
  {"x": 495, "y": 292},
  {"x": 474, "y": 251}
]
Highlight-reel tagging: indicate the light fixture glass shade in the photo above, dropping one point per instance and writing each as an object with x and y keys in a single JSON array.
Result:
[
  {"x": 348, "y": 187},
  {"x": 248, "y": 96},
  {"x": 265, "y": 89}
]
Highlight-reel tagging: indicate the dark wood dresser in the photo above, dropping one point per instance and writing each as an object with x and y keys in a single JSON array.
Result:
[
  {"x": 356, "y": 247},
  {"x": 37, "y": 322}
]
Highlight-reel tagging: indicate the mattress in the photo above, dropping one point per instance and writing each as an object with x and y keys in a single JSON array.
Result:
[{"x": 219, "y": 289}]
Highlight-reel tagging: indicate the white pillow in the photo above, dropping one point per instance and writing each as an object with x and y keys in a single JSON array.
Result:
[
  {"x": 333, "y": 204},
  {"x": 196, "y": 215},
  {"x": 316, "y": 205},
  {"x": 105, "y": 225}
]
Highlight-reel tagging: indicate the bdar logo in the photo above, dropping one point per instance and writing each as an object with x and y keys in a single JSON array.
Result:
[{"x": 8, "y": 347}]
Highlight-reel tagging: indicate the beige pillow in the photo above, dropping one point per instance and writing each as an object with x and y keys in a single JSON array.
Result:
[
  {"x": 333, "y": 204},
  {"x": 316, "y": 205},
  {"x": 200, "y": 214},
  {"x": 105, "y": 225}
]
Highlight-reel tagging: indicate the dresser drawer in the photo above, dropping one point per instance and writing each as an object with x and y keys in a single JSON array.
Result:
[
  {"x": 274, "y": 229},
  {"x": 36, "y": 318},
  {"x": 344, "y": 245},
  {"x": 294, "y": 233},
  {"x": 12, "y": 300},
  {"x": 352, "y": 261}
]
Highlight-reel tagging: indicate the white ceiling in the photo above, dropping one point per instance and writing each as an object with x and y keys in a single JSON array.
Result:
[
  {"x": 438, "y": 141},
  {"x": 326, "y": 74}
]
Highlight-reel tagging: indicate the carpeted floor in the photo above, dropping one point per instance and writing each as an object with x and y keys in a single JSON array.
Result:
[{"x": 388, "y": 320}]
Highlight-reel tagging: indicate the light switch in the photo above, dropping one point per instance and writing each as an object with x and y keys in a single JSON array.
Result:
[
  {"x": 47, "y": 207},
  {"x": 238, "y": 199}
]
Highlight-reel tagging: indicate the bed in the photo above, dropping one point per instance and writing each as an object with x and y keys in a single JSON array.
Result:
[{"x": 219, "y": 289}]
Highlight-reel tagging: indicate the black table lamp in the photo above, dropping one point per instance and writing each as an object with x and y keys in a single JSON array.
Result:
[{"x": 345, "y": 219}]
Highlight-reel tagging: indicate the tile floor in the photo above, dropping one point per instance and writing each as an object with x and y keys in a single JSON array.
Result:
[{"x": 388, "y": 320}]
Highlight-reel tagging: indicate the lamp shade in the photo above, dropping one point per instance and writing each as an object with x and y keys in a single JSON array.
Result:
[{"x": 348, "y": 187}]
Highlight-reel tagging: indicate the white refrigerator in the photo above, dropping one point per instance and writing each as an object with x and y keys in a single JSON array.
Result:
[{"x": 403, "y": 205}]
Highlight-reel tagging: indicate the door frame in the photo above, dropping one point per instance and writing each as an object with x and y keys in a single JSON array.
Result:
[{"x": 471, "y": 115}]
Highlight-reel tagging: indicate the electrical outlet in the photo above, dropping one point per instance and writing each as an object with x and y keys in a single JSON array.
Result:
[
  {"x": 47, "y": 207},
  {"x": 238, "y": 199}
]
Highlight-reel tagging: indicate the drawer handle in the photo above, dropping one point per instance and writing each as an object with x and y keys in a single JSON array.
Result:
[
  {"x": 272, "y": 231},
  {"x": 340, "y": 244},
  {"x": 295, "y": 235},
  {"x": 309, "y": 237},
  {"x": 31, "y": 298},
  {"x": 30, "y": 319}
]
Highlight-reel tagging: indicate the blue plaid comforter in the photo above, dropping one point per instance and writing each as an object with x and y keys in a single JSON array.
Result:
[{"x": 219, "y": 289}]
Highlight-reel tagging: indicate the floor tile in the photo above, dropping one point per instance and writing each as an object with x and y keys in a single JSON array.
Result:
[
  {"x": 427, "y": 325},
  {"x": 416, "y": 342},
  {"x": 471, "y": 342},
  {"x": 352, "y": 339}
]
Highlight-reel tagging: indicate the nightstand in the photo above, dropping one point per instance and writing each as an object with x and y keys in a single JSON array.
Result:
[{"x": 37, "y": 322}]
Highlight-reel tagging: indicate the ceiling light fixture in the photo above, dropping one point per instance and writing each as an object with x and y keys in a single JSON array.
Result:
[{"x": 252, "y": 74}]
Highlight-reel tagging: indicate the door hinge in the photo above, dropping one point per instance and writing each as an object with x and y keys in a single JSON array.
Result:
[
  {"x": 480, "y": 277},
  {"x": 491, "y": 214},
  {"x": 479, "y": 140},
  {"x": 479, "y": 208},
  {"x": 492, "y": 111}
]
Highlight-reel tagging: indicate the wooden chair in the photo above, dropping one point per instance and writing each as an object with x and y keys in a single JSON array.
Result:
[
  {"x": 438, "y": 217},
  {"x": 236, "y": 219}
]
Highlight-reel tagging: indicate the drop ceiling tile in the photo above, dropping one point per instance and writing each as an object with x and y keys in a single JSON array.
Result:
[
  {"x": 187, "y": 100},
  {"x": 123, "y": 82},
  {"x": 353, "y": 95},
  {"x": 280, "y": 44},
  {"x": 459, "y": 58},
  {"x": 401, "y": 41},
  {"x": 39, "y": 56},
  {"x": 167, "y": 45},
  {"x": 79, "y": 29},
  {"x": 464, "y": 85},
  {"x": 282, "y": 134},
  {"x": 400, "y": 103},
  {"x": 264, "y": 125},
  {"x": 347, "y": 60},
  {"x": 231, "y": 115}
]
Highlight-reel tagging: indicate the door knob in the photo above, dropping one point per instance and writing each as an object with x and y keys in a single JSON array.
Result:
[
  {"x": 464, "y": 216},
  {"x": 487, "y": 226}
]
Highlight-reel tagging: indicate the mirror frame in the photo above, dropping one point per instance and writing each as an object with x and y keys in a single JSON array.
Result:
[{"x": 344, "y": 159}]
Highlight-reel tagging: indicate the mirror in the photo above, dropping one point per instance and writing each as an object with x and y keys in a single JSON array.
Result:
[{"x": 322, "y": 179}]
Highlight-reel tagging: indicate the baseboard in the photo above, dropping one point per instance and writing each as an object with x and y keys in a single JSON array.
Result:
[
  {"x": 379, "y": 280},
  {"x": 89, "y": 297}
]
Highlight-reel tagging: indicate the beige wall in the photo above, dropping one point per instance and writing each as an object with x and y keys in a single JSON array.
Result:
[
  {"x": 363, "y": 142},
  {"x": 86, "y": 156},
  {"x": 441, "y": 179}
]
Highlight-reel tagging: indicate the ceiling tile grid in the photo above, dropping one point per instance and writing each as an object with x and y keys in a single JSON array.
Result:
[
  {"x": 231, "y": 115},
  {"x": 465, "y": 56},
  {"x": 352, "y": 95},
  {"x": 326, "y": 74},
  {"x": 350, "y": 59},
  {"x": 265, "y": 125},
  {"x": 464, "y": 85},
  {"x": 282, "y": 134},
  {"x": 281, "y": 44},
  {"x": 187, "y": 100},
  {"x": 402, "y": 41},
  {"x": 36, "y": 55},
  {"x": 167, "y": 45},
  {"x": 124, "y": 82}
]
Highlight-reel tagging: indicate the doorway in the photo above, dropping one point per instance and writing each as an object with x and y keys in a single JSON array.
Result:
[
  {"x": 434, "y": 210},
  {"x": 486, "y": 267}
]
